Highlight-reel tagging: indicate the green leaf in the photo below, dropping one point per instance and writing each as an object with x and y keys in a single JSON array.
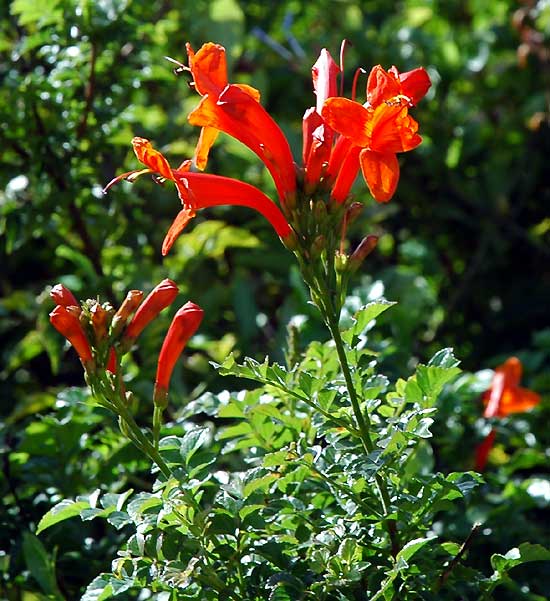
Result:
[
  {"x": 363, "y": 318},
  {"x": 412, "y": 547},
  {"x": 525, "y": 553},
  {"x": 41, "y": 13},
  {"x": 99, "y": 589},
  {"x": 192, "y": 441},
  {"x": 40, "y": 564},
  {"x": 431, "y": 378},
  {"x": 62, "y": 511}
]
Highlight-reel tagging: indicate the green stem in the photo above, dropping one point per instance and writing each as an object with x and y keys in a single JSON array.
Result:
[
  {"x": 142, "y": 441},
  {"x": 157, "y": 423},
  {"x": 363, "y": 421}
]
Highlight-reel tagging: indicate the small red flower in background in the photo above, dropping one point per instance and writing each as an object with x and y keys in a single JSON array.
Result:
[{"x": 504, "y": 397}]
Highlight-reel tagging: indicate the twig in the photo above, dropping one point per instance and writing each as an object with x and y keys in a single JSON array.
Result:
[{"x": 454, "y": 561}]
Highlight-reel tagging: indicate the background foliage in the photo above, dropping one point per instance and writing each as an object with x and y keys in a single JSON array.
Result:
[{"x": 464, "y": 246}]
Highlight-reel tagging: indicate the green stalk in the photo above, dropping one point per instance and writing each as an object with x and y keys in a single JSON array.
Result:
[
  {"x": 323, "y": 300},
  {"x": 157, "y": 423}
]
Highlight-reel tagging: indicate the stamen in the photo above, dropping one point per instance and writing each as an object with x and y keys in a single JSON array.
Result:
[
  {"x": 355, "y": 79},
  {"x": 130, "y": 176},
  {"x": 181, "y": 68},
  {"x": 399, "y": 100},
  {"x": 345, "y": 43}
]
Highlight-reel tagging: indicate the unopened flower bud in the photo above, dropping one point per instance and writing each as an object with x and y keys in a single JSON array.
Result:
[
  {"x": 158, "y": 299},
  {"x": 318, "y": 246},
  {"x": 353, "y": 211},
  {"x": 366, "y": 246},
  {"x": 112, "y": 361},
  {"x": 340, "y": 262},
  {"x": 63, "y": 296},
  {"x": 68, "y": 324},
  {"x": 99, "y": 318},
  {"x": 183, "y": 326},
  {"x": 129, "y": 305},
  {"x": 320, "y": 211}
]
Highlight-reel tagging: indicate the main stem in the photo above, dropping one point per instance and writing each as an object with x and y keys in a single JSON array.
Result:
[{"x": 363, "y": 421}]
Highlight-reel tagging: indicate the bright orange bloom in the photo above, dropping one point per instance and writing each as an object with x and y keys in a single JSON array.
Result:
[
  {"x": 339, "y": 137},
  {"x": 66, "y": 322},
  {"x": 376, "y": 131},
  {"x": 505, "y": 396},
  {"x": 235, "y": 110},
  {"x": 158, "y": 299},
  {"x": 185, "y": 323},
  {"x": 380, "y": 132},
  {"x": 201, "y": 190}
]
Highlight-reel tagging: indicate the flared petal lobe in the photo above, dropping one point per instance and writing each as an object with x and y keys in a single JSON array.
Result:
[
  {"x": 348, "y": 118},
  {"x": 152, "y": 158},
  {"x": 381, "y": 172},
  {"x": 384, "y": 85},
  {"x": 209, "y": 68}
]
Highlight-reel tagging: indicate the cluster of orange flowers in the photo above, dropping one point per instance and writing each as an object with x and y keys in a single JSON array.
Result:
[{"x": 340, "y": 136}]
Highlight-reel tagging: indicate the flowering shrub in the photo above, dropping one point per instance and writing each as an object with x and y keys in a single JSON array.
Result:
[{"x": 316, "y": 482}]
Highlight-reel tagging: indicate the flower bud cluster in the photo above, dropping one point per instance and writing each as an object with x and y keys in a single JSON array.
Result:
[{"x": 101, "y": 336}]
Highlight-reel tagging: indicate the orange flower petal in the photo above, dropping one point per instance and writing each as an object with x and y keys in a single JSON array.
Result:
[
  {"x": 206, "y": 139},
  {"x": 177, "y": 227},
  {"x": 381, "y": 172},
  {"x": 252, "y": 92},
  {"x": 392, "y": 129},
  {"x": 381, "y": 86},
  {"x": 414, "y": 84},
  {"x": 236, "y": 113},
  {"x": 512, "y": 370},
  {"x": 517, "y": 400},
  {"x": 152, "y": 158},
  {"x": 208, "y": 67},
  {"x": 348, "y": 118}
]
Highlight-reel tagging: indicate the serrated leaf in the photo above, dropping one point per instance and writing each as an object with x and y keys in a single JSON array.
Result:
[
  {"x": 432, "y": 377},
  {"x": 191, "y": 442},
  {"x": 363, "y": 318},
  {"x": 99, "y": 589},
  {"x": 62, "y": 511}
]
